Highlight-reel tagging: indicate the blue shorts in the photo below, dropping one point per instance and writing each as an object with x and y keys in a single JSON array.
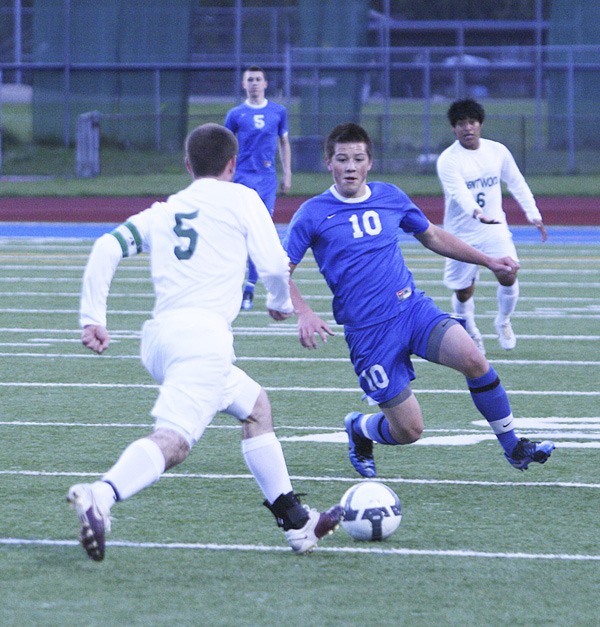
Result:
[
  {"x": 381, "y": 353},
  {"x": 265, "y": 185}
]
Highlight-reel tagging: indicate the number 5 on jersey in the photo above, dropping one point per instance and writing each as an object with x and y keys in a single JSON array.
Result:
[{"x": 186, "y": 233}]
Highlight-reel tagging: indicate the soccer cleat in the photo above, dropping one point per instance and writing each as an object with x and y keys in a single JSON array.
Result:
[
  {"x": 247, "y": 300},
  {"x": 318, "y": 525},
  {"x": 476, "y": 337},
  {"x": 526, "y": 452},
  {"x": 95, "y": 523},
  {"x": 506, "y": 335},
  {"x": 360, "y": 449}
]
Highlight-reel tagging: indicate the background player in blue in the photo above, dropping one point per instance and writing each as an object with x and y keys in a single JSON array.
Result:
[
  {"x": 353, "y": 231},
  {"x": 261, "y": 127}
]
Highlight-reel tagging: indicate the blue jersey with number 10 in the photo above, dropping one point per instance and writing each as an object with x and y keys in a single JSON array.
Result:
[{"x": 355, "y": 242}]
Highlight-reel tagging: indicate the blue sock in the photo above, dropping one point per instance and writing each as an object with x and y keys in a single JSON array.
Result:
[
  {"x": 375, "y": 427},
  {"x": 491, "y": 400}
]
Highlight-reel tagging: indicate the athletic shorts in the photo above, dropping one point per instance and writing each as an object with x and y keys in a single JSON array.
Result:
[
  {"x": 459, "y": 275},
  {"x": 265, "y": 185},
  {"x": 189, "y": 353},
  {"x": 381, "y": 353}
]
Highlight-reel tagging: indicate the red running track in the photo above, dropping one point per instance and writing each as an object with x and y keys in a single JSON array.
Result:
[{"x": 567, "y": 211}]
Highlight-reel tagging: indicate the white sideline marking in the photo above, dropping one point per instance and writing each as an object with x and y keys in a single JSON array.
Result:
[
  {"x": 260, "y": 548},
  {"x": 150, "y": 386},
  {"x": 317, "y": 360},
  {"x": 348, "y": 480}
]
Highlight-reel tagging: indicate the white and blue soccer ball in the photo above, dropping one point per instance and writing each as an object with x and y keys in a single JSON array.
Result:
[{"x": 372, "y": 511}]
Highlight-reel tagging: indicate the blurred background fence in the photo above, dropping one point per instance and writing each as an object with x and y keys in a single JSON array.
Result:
[{"x": 113, "y": 88}]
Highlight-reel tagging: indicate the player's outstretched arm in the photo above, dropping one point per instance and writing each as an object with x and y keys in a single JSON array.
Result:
[
  {"x": 95, "y": 337},
  {"x": 443, "y": 243}
]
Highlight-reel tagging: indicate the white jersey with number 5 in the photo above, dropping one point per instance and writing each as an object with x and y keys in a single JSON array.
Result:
[
  {"x": 199, "y": 241},
  {"x": 472, "y": 179}
]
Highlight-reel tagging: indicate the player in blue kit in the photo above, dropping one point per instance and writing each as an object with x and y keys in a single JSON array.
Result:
[
  {"x": 261, "y": 127},
  {"x": 353, "y": 230}
]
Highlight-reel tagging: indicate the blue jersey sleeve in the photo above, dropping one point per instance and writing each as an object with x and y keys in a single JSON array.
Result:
[
  {"x": 414, "y": 220},
  {"x": 298, "y": 237},
  {"x": 283, "y": 122},
  {"x": 230, "y": 121}
]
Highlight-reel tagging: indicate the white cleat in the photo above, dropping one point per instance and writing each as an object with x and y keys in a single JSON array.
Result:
[
  {"x": 506, "y": 335},
  {"x": 317, "y": 526},
  {"x": 476, "y": 337},
  {"x": 95, "y": 522}
]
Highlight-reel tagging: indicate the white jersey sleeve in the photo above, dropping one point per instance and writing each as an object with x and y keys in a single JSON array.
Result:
[
  {"x": 517, "y": 186},
  {"x": 456, "y": 191},
  {"x": 269, "y": 257},
  {"x": 97, "y": 277}
]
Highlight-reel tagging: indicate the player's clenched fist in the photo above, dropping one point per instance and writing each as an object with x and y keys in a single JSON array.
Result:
[{"x": 95, "y": 337}]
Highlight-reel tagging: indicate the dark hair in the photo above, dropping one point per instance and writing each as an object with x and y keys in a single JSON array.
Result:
[
  {"x": 465, "y": 109},
  {"x": 347, "y": 133},
  {"x": 209, "y": 148},
  {"x": 256, "y": 68}
]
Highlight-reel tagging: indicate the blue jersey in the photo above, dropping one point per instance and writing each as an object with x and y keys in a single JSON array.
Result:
[
  {"x": 356, "y": 245},
  {"x": 257, "y": 130}
]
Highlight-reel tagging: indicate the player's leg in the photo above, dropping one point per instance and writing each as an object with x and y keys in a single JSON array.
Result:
[
  {"x": 507, "y": 293},
  {"x": 381, "y": 359},
  {"x": 266, "y": 187},
  {"x": 461, "y": 277},
  {"x": 191, "y": 362},
  {"x": 507, "y": 296},
  {"x": 450, "y": 346},
  {"x": 263, "y": 455}
]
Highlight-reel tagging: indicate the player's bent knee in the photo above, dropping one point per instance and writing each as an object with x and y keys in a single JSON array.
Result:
[
  {"x": 260, "y": 419},
  {"x": 173, "y": 445},
  {"x": 407, "y": 434}
]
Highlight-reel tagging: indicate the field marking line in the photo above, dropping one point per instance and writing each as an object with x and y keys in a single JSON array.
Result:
[
  {"x": 316, "y": 360},
  {"x": 151, "y": 386},
  {"x": 378, "y": 550},
  {"x": 348, "y": 480}
]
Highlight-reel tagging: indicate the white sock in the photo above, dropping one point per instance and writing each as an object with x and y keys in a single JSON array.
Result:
[
  {"x": 264, "y": 457},
  {"x": 507, "y": 301},
  {"x": 104, "y": 494},
  {"x": 141, "y": 464},
  {"x": 465, "y": 310}
]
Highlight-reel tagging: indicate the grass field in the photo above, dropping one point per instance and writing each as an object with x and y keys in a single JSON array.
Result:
[{"x": 480, "y": 543}]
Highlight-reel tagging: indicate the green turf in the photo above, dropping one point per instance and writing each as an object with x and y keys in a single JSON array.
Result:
[{"x": 479, "y": 542}]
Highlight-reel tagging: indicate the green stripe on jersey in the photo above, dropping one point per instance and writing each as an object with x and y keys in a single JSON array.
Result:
[
  {"x": 129, "y": 239},
  {"x": 122, "y": 242},
  {"x": 136, "y": 236}
]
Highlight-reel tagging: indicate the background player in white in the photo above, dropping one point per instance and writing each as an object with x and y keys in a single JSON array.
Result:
[
  {"x": 471, "y": 171},
  {"x": 261, "y": 127},
  {"x": 198, "y": 241},
  {"x": 353, "y": 230}
]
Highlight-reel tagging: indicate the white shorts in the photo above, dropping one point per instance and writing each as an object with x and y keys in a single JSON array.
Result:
[
  {"x": 459, "y": 275},
  {"x": 190, "y": 354}
]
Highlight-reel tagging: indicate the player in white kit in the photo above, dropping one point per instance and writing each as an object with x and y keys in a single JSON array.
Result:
[
  {"x": 199, "y": 241},
  {"x": 471, "y": 172}
]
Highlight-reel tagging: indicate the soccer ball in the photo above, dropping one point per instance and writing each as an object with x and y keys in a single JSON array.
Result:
[{"x": 372, "y": 511}]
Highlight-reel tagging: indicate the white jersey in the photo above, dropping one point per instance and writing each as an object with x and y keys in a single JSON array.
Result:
[
  {"x": 199, "y": 240},
  {"x": 472, "y": 179}
]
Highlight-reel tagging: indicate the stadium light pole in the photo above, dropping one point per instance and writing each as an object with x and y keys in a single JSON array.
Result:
[
  {"x": 18, "y": 39},
  {"x": 238, "y": 47},
  {"x": 67, "y": 51}
]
